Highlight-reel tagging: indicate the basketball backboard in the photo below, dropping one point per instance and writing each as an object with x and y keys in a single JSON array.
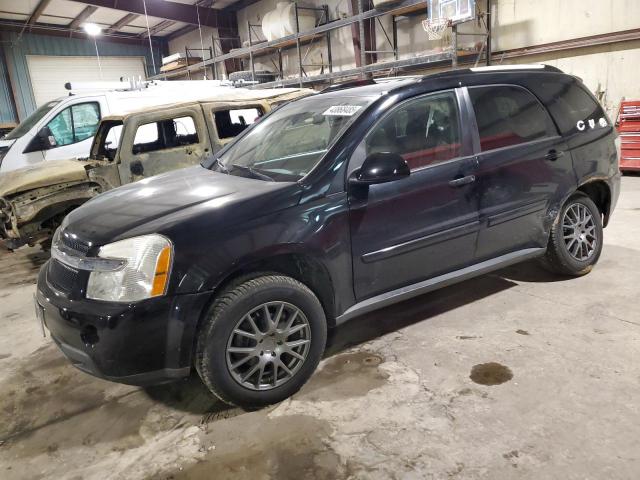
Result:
[{"x": 457, "y": 11}]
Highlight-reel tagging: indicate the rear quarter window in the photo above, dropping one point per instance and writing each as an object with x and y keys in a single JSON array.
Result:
[{"x": 572, "y": 106}]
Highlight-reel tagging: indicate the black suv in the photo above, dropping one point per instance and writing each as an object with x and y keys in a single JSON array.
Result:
[{"x": 329, "y": 207}]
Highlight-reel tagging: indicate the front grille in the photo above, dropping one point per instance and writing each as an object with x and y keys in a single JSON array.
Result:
[
  {"x": 74, "y": 244},
  {"x": 61, "y": 277}
]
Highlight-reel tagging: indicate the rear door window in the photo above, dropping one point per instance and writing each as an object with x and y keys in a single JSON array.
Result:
[
  {"x": 507, "y": 116},
  {"x": 230, "y": 123},
  {"x": 164, "y": 134}
]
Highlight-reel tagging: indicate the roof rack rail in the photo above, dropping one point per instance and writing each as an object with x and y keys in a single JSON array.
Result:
[
  {"x": 492, "y": 68},
  {"x": 349, "y": 84},
  {"x": 523, "y": 66}
]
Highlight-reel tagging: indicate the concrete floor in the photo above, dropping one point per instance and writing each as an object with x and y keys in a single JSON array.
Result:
[{"x": 396, "y": 397}]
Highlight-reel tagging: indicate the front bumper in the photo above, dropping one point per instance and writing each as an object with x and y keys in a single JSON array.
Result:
[{"x": 142, "y": 343}]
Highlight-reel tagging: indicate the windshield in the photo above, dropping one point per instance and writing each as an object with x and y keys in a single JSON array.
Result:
[
  {"x": 287, "y": 144},
  {"x": 31, "y": 120},
  {"x": 107, "y": 139}
]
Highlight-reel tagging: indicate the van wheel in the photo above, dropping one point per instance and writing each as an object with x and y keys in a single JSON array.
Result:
[
  {"x": 261, "y": 341},
  {"x": 576, "y": 237}
]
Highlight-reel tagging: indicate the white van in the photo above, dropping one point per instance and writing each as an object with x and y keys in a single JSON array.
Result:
[{"x": 64, "y": 128}]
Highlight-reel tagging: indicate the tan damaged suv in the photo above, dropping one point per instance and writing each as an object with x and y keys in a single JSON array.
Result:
[{"x": 127, "y": 148}]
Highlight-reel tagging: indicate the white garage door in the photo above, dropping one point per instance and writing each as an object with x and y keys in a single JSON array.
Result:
[{"x": 50, "y": 73}]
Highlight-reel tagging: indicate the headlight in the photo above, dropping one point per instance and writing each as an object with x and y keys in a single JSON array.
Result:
[{"x": 145, "y": 274}]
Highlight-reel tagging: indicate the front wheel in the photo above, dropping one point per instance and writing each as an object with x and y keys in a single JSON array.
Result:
[
  {"x": 576, "y": 237},
  {"x": 261, "y": 341}
]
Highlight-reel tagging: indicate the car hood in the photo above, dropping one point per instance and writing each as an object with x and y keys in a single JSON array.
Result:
[
  {"x": 40, "y": 175},
  {"x": 161, "y": 203}
]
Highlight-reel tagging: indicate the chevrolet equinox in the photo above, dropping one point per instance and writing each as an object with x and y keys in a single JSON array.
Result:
[{"x": 329, "y": 207}]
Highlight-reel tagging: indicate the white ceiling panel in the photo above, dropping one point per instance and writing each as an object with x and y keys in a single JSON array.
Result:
[
  {"x": 107, "y": 15},
  {"x": 64, "y": 8},
  {"x": 130, "y": 29},
  {"x": 57, "y": 20},
  {"x": 13, "y": 16},
  {"x": 141, "y": 22},
  {"x": 22, "y": 6}
]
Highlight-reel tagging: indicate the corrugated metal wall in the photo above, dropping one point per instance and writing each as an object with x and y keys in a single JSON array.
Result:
[
  {"x": 16, "y": 51},
  {"x": 7, "y": 110}
]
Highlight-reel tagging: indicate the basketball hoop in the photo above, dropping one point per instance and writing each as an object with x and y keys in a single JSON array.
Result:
[{"x": 435, "y": 28}]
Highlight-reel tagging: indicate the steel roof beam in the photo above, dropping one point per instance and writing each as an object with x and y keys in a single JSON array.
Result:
[
  {"x": 38, "y": 11},
  {"x": 123, "y": 22},
  {"x": 178, "y": 12},
  {"x": 82, "y": 16},
  {"x": 157, "y": 28}
]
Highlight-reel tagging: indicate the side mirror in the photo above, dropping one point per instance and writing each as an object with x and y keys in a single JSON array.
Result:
[
  {"x": 43, "y": 140},
  {"x": 47, "y": 138},
  {"x": 380, "y": 167},
  {"x": 136, "y": 168}
]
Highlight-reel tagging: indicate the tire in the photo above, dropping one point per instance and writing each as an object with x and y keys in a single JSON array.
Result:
[
  {"x": 221, "y": 352},
  {"x": 561, "y": 254}
]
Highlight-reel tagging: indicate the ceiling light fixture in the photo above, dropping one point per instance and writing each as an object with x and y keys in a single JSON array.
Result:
[{"x": 92, "y": 29}]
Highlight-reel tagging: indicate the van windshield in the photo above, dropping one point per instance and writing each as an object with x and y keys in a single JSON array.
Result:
[
  {"x": 28, "y": 123},
  {"x": 287, "y": 144}
]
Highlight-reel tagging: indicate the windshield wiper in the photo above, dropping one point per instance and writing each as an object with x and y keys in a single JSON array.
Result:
[{"x": 253, "y": 172}]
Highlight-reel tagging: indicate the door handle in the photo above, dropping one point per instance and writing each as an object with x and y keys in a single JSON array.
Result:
[
  {"x": 458, "y": 182},
  {"x": 553, "y": 155}
]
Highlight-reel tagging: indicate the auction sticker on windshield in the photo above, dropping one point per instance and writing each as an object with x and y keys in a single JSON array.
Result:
[{"x": 342, "y": 110}]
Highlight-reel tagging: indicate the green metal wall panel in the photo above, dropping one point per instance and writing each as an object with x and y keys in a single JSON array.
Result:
[
  {"x": 7, "y": 110},
  {"x": 17, "y": 48}
]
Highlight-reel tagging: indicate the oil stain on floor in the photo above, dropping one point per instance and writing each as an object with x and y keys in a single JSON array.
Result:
[
  {"x": 490, "y": 374},
  {"x": 345, "y": 376}
]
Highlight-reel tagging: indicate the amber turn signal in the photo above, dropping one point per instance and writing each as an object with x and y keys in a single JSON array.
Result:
[{"x": 161, "y": 276}]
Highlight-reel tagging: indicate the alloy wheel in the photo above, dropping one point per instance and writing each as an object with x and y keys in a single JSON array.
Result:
[
  {"x": 579, "y": 232},
  {"x": 268, "y": 346}
]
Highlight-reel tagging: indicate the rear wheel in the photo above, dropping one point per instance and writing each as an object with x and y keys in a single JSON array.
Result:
[
  {"x": 261, "y": 341},
  {"x": 576, "y": 237}
]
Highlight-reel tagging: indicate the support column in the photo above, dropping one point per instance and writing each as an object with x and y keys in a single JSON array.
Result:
[{"x": 454, "y": 46}]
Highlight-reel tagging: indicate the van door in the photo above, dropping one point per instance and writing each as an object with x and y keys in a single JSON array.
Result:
[
  {"x": 71, "y": 130},
  {"x": 227, "y": 121},
  {"x": 160, "y": 142},
  {"x": 524, "y": 167}
]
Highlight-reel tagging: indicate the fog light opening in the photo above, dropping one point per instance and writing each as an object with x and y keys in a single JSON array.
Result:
[{"x": 89, "y": 335}]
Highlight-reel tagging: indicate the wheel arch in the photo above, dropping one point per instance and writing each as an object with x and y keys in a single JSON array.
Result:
[
  {"x": 599, "y": 191},
  {"x": 302, "y": 266}
]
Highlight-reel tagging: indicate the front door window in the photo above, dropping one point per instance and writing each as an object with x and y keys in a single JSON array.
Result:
[
  {"x": 75, "y": 123},
  {"x": 424, "y": 131}
]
